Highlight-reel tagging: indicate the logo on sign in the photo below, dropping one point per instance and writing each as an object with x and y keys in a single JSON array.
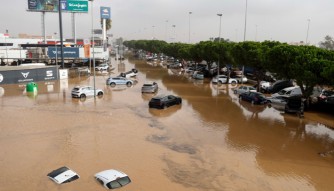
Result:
[
  {"x": 25, "y": 75},
  {"x": 49, "y": 73},
  {"x": 105, "y": 11}
]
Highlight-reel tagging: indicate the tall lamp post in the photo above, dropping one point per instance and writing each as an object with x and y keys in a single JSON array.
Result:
[
  {"x": 56, "y": 48},
  {"x": 220, "y": 24},
  {"x": 93, "y": 44},
  {"x": 6, "y": 45},
  {"x": 245, "y": 22},
  {"x": 166, "y": 32},
  {"x": 308, "y": 28},
  {"x": 189, "y": 28},
  {"x": 174, "y": 39}
]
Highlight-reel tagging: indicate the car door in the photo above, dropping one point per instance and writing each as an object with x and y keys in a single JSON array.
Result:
[
  {"x": 90, "y": 91},
  {"x": 171, "y": 100},
  {"x": 249, "y": 96}
]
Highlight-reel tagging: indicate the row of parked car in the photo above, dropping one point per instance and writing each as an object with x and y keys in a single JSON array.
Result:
[
  {"x": 159, "y": 102},
  {"x": 292, "y": 103}
]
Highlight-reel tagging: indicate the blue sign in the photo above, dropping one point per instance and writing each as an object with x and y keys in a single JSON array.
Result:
[
  {"x": 69, "y": 52},
  {"x": 105, "y": 12}
]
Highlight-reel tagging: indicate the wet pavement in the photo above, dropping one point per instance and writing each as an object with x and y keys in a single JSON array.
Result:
[{"x": 213, "y": 141}]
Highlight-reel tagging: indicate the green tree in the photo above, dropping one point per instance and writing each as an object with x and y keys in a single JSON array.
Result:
[
  {"x": 328, "y": 43},
  {"x": 108, "y": 24}
]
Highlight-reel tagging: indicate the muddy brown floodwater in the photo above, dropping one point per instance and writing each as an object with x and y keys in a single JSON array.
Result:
[{"x": 212, "y": 141}]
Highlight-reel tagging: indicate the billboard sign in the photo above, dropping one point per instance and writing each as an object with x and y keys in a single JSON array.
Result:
[
  {"x": 77, "y": 6},
  {"x": 52, "y": 5},
  {"x": 69, "y": 52},
  {"x": 105, "y": 12}
]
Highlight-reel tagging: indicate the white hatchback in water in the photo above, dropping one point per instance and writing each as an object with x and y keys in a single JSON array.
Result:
[
  {"x": 112, "y": 179},
  {"x": 85, "y": 91}
]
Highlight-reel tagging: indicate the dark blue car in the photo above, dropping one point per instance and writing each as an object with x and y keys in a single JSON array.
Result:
[{"x": 253, "y": 97}]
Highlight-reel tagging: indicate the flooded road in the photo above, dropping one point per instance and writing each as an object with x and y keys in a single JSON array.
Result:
[{"x": 212, "y": 141}]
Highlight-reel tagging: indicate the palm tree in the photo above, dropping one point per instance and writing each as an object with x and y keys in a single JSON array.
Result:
[{"x": 108, "y": 24}]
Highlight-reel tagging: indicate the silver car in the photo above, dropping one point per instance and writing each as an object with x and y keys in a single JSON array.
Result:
[
  {"x": 222, "y": 79},
  {"x": 113, "y": 81},
  {"x": 85, "y": 91},
  {"x": 149, "y": 87},
  {"x": 242, "y": 89}
]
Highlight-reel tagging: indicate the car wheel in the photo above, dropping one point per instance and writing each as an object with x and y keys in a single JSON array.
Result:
[
  {"x": 253, "y": 102},
  {"x": 219, "y": 82},
  {"x": 233, "y": 83},
  {"x": 101, "y": 70},
  {"x": 100, "y": 94},
  {"x": 112, "y": 84},
  {"x": 179, "y": 102},
  {"x": 164, "y": 106},
  {"x": 128, "y": 84},
  {"x": 240, "y": 97},
  {"x": 82, "y": 96}
]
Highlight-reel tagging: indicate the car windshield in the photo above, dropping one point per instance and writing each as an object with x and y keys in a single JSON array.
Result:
[
  {"x": 282, "y": 92},
  {"x": 261, "y": 96},
  {"x": 119, "y": 182},
  {"x": 148, "y": 84}
]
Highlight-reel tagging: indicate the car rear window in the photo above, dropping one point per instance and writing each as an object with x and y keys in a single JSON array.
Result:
[
  {"x": 148, "y": 85},
  {"x": 76, "y": 89}
]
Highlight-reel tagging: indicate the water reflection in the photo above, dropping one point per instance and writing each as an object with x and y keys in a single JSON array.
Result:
[
  {"x": 210, "y": 142},
  {"x": 272, "y": 136},
  {"x": 165, "y": 112}
]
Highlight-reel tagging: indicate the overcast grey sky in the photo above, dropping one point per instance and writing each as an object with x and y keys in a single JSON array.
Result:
[{"x": 281, "y": 20}]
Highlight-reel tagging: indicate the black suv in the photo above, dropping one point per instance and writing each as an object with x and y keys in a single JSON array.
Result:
[
  {"x": 164, "y": 101},
  {"x": 279, "y": 85}
]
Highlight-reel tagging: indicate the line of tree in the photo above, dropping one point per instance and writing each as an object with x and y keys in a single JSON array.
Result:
[{"x": 307, "y": 65}]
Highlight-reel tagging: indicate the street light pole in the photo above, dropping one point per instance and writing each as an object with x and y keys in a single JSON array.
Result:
[
  {"x": 6, "y": 45},
  {"x": 93, "y": 44},
  {"x": 220, "y": 24},
  {"x": 245, "y": 22},
  {"x": 56, "y": 48},
  {"x": 189, "y": 28},
  {"x": 174, "y": 39},
  {"x": 153, "y": 32},
  {"x": 166, "y": 32},
  {"x": 308, "y": 28}
]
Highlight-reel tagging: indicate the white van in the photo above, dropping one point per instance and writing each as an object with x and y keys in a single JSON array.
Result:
[{"x": 290, "y": 91}]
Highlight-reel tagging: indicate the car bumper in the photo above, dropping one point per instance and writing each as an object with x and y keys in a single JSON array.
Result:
[{"x": 75, "y": 96}]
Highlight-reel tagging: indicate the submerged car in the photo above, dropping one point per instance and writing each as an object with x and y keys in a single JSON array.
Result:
[
  {"x": 113, "y": 81},
  {"x": 63, "y": 175},
  {"x": 222, "y": 79},
  {"x": 289, "y": 91},
  {"x": 129, "y": 74},
  {"x": 112, "y": 179},
  {"x": 253, "y": 97},
  {"x": 164, "y": 101},
  {"x": 85, "y": 91},
  {"x": 279, "y": 85},
  {"x": 149, "y": 87},
  {"x": 198, "y": 75},
  {"x": 102, "y": 67},
  {"x": 243, "y": 89},
  {"x": 288, "y": 104}
]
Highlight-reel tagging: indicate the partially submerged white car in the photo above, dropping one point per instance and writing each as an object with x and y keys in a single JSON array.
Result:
[
  {"x": 112, "y": 179},
  {"x": 63, "y": 175}
]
